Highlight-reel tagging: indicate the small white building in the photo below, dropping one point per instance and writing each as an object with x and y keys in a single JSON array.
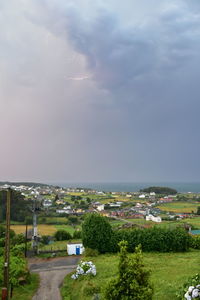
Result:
[
  {"x": 100, "y": 207},
  {"x": 75, "y": 248},
  {"x": 142, "y": 196},
  {"x": 154, "y": 219}
]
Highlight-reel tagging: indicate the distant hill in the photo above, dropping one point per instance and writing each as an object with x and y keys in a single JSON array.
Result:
[
  {"x": 34, "y": 184},
  {"x": 159, "y": 190}
]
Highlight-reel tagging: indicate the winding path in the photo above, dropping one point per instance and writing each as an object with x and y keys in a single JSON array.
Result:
[{"x": 52, "y": 272}]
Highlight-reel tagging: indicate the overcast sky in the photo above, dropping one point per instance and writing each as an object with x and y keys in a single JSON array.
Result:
[{"x": 100, "y": 90}]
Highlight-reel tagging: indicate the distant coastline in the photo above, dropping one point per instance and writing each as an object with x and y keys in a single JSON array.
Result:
[{"x": 181, "y": 187}]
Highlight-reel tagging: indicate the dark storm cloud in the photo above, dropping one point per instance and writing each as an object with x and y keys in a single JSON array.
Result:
[{"x": 99, "y": 90}]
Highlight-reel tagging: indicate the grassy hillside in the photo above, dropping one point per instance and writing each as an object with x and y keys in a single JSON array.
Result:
[{"x": 168, "y": 272}]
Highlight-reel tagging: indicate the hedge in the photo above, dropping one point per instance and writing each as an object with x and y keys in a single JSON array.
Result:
[{"x": 153, "y": 239}]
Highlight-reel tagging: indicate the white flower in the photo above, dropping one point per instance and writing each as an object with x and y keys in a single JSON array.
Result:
[
  {"x": 187, "y": 296},
  {"x": 195, "y": 293},
  {"x": 80, "y": 269},
  {"x": 190, "y": 289}
]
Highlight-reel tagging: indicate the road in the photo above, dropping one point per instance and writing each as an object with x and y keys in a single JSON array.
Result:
[{"x": 52, "y": 272}]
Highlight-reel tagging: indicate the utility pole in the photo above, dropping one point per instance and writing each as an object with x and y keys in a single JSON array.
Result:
[
  {"x": 5, "y": 289},
  {"x": 35, "y": 234},
  {"x": 26, "y": 236}
]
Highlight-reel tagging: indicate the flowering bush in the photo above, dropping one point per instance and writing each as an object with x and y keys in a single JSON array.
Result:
[
  {"x": 190, "y": 289},
  {"x": 84, "y": 268},
  {"x": 193, "y": 292}
]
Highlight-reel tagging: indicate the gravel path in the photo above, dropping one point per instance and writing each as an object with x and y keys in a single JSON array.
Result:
[{"x": 52, "y": 273}]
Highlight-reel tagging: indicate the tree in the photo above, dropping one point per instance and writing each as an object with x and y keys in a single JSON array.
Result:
[
  {"x": 133, "y": 280},
  {"x": 20, "y": 208},
  {"x": 160, "y": 190},
  {"x": 97, "y": 233}
]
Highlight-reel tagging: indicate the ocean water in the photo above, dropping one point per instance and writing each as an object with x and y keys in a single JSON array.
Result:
[{"x": 181, "y": 187}]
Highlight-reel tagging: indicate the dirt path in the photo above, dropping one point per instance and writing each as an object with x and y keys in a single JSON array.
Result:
[{"x": 52, "y": 273}]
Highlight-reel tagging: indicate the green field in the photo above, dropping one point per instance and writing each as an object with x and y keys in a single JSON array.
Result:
[
  {"x": 168, "y": 272},
  {"x": 180, "y": 207}
]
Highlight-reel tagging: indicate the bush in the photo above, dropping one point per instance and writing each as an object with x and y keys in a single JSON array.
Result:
[
  {"x": 195, "y": 242},
  {"x": 192, "y": 281},
  {"x": 77, "y": 234},
  {"x": 97, "y": 233},
  {"x": 91, "y": 252},
  {"x": 133, "y": 279},
  {"x": 62, "y": 235}
]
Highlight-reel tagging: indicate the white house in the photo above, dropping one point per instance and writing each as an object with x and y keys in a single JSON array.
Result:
[
  {"x": 142, "y": 196},
  {"x": 100, "y": 207},
  {"x": 154, "y": 219},
  {"x": 75, "y": 248}
]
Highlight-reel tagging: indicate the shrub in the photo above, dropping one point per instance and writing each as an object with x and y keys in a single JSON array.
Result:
[
  {"x": 195, "y": 242},
  {"x": 62, "y": 235},
  {"x": 191, "y": 282},
  {"x": 77, "y": 234},
  {"x": 133, "y": 279}
]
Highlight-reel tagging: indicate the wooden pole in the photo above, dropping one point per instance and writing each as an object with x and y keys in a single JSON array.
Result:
[{"x": 5, "y": 289}]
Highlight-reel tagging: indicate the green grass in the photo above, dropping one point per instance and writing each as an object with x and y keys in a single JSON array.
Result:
[
  {"x": 26, "y": 292},
  {"x": 68, "y": 228},
  {"x": 168, "y": 272},
  {"x": 179, "y": 207}
]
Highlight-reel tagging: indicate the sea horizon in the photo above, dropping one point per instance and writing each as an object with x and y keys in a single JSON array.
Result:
[{"x": 181, "y": 187}]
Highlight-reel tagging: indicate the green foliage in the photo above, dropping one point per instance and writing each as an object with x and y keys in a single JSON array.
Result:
[
  {"x": 97, "y": 233},
  {"x": 132, "y": 282},
  {"x": 73, "y": 220},
  {"x": 18, "y": 250},
  {"x": 159, "y": 190},
  {"x": 195, "y": 241},
  {"x": 19, "y": 207},
  {"x": 18, "y": 270},
  {"x": 77, "y": 234},
  {"x": 155, "y": 239},
  {"x": 62, "y": 235},
  {"x": 192, "y": 281},
  {"x": 91, "y": 252},
  {"x": 18, "y": 239},
  {"x": 198, "y": 210}
]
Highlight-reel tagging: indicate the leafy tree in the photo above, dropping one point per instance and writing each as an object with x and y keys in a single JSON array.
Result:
[
  {"x": 97, "y": 233},
  {"x": 88, "y": 200},
  {"x": 198, "y": 210},
  {"x": 62, "y": 235},
  {"x": 20, "y": 207},
  {"x": 133, "y": 279}
]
